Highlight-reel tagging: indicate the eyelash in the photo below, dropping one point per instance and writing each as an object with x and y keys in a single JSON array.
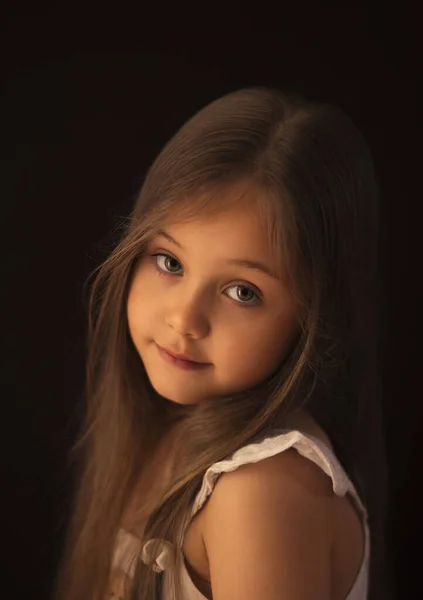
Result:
[{"x": 160, "y": 271}]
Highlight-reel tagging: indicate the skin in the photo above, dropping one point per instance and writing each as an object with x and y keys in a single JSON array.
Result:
[{"x": 207, "y": 307}]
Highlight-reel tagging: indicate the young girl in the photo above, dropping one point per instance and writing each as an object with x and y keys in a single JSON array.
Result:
[{"x": 232, "y": 444}]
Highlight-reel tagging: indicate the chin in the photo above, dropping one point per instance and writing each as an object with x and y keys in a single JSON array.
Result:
[{"x": 176, "y": 398}]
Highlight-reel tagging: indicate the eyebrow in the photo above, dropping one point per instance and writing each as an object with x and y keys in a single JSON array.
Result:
[{"x": 242, "y": 262}]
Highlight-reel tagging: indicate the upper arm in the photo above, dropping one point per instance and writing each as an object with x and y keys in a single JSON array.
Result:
[{"x": 267, "y": 531}]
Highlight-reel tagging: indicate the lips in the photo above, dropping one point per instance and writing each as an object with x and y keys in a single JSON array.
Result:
[
  {"x": 184, "y": 357},
  {"x": 182, "y": 363}
]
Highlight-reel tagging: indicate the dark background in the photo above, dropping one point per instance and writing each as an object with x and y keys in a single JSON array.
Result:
[{"x": 88, "y": 98}]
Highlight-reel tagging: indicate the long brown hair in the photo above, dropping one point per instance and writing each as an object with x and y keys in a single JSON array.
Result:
[{"x": 320, "y": 202}]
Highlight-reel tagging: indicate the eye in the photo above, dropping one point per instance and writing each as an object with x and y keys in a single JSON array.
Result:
[
  {"x": 243, "y": 294},
  {"x": 167, "y": 263}
]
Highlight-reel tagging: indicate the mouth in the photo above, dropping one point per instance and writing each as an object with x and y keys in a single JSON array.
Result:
[{"x": 180, "y": 361}]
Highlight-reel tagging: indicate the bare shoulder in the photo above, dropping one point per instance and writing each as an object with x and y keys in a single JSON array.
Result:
[
  {"x": 267, "y": 531},
  {"x": 283, "y": 476}
]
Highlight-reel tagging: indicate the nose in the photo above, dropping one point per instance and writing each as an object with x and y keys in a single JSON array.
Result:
[{"x": 187, "y": 313}]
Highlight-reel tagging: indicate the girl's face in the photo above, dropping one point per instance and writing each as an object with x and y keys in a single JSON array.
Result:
[{"x": 208, "y": 289}]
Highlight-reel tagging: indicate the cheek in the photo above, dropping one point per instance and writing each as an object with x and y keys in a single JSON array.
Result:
[
  {"x": 139, "y": 306},
  {"x": 132, "y": 315},
  {"x": 257, "y": 348}
]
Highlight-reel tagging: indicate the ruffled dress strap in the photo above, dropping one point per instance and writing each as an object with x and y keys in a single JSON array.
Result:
[{"x": 306, "y": 445}]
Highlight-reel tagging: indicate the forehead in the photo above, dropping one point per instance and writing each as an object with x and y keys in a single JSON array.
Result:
[{"x": 232, "y": 224}]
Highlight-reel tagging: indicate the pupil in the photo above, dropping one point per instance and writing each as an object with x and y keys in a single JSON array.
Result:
[
  {"x": 243, "y": 293},
  {"x": 172, "y": 264}
]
